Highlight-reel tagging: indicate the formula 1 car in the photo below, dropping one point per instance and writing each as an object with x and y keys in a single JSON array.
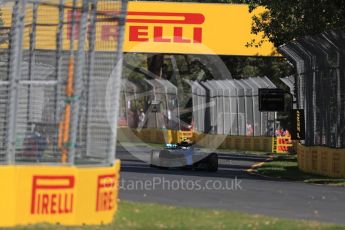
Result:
[{"x": 184, "y": 155}]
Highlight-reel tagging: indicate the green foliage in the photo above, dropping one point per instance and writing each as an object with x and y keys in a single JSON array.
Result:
[
  {"x": 288, "y": 20},
  {"x": 244, "y": 67}
]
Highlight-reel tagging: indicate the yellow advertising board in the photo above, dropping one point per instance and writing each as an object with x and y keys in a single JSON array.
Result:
[
  {"x": 194, "y": 28},
  {"x": 157, "y": 27},
  {"x": 58, "y": 194}
]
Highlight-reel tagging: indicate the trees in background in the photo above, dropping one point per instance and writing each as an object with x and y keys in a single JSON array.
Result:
[{"x": 284, "y": 21}]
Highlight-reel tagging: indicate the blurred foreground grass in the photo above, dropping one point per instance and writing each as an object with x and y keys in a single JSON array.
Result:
[{"x": 134, "y": 216}]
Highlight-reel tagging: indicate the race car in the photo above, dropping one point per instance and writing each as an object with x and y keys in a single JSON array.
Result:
[{"x": 184, "y": 155}]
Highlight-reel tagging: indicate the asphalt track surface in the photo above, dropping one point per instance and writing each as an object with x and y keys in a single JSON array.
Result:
[{"x": 231, "y": 188}]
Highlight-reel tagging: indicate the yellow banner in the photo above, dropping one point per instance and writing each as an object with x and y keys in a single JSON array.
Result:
[
  {"x": 193, "y": 28},
  {"x": 154, "y": 27}
]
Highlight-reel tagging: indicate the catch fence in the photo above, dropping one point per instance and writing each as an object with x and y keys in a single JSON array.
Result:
[
  {"x": 60, "y": 71},
  {"x": 320, "y": 86}
]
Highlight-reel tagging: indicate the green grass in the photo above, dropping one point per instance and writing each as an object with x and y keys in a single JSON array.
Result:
[
  {"x": 285, "y": 167},
  {"x": 135, "y": 216}
]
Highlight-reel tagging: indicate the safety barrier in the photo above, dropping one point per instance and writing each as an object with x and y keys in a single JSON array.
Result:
[
  {"x": 54, "y": 194},
  {"x": 321, "y": 160},
  {"x": 262, "y": 144},
  {"x": 203, "y": 140}
]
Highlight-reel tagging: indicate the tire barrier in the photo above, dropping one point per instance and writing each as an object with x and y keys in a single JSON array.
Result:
[
  {"x": 58, "y": 195},
  {"x": 321, "y": 160}
]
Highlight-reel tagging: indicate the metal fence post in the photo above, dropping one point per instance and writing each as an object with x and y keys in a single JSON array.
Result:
[
  {"x": 117, "y": 73},
  {"x": 90, "y": 69},
  {"x": 58, "y": 61},
  {"x": 32, "y": 53},
  {"x": 14, "y": 76},
  {"x": 78, "y": 79}
]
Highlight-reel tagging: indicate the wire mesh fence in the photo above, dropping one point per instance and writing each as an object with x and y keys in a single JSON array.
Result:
[
  {"x": 320, "y": 86},
  {"x": 56, "y": 59}
]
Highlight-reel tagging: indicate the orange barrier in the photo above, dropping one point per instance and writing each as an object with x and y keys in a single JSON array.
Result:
[{"x": 321, "y": 160}]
